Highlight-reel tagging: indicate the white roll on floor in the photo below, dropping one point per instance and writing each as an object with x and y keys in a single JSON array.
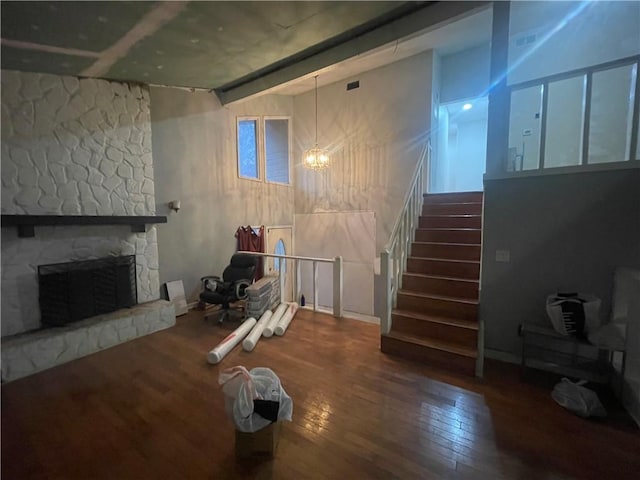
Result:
[
  {"x": 234, "y": 338},
  {"x": 249, "y": 343},
  {"x": 284, "y": 322},
  {"x": 275, "y": 318}
]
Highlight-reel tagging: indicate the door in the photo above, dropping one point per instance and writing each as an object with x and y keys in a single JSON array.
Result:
[{"x": 280, "y": 242}]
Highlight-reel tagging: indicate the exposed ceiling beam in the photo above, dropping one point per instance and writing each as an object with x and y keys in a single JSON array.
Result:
[{"x": 420, "y": 19}]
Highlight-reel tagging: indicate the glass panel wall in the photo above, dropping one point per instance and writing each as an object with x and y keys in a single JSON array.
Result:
[
  {"x": 524, "y": 129},
  {"x": 565, "y": 113},
  {"x": 611, "y": 114}
]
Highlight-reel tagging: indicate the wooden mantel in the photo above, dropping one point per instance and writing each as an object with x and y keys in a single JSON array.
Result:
[{"x": 26, "y": 223}]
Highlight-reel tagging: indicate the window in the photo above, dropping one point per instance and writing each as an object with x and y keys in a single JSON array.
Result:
[
  {"x": 524, "y": 129},
  {"x": 611, "y": 114},
  {"x": 248, "y": 166},
  {"x": 276, "y": 149},
  {"x": 264, "y": 147},
  {"x": 585, "y": 117},
  {"x": 565, "y": 110}
]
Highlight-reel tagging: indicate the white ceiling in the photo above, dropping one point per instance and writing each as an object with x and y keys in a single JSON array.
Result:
[{"x": 463, "y": 33}]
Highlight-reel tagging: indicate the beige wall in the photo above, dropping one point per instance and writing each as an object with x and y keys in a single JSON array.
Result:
[
  {"x": 194, "y": 155},
  {"x": 375, "y": 134}
]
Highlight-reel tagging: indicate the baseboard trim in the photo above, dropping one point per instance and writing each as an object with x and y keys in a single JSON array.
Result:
[
  {"x": 346, "y": 314},
  {"x": 502, "y": 356}
]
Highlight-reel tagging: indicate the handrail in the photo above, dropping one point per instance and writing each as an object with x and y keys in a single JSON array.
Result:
[
  {"x": 338, "y": 277},
  {"x": 408, "y": 196},
  {"x": 394, "y": 255},
  {"x": 292, "y": 257}
]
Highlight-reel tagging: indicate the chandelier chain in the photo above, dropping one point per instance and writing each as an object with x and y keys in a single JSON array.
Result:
[{"x": 316, "y": 78}]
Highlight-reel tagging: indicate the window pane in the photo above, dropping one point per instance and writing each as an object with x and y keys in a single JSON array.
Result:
[
  {"x": 611, "y": 115},
  {"x": 563, "y": 135},
  {"x": 280, "y": 250},
  {"x": 248, "y": 148},
  {"x": 276, "y": 141},
  {"x": 524, "y": 129}
]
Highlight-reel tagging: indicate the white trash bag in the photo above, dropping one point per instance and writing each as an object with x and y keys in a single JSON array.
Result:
[
  {"x": 254, "y": 399},
  {"x": 580, "y": 400}
]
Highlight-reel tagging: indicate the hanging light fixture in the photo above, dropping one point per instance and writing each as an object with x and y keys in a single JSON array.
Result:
[{"x": 316, "y": 158}]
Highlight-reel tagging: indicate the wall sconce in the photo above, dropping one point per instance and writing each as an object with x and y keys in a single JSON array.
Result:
[{"x": 174, "y": 205}]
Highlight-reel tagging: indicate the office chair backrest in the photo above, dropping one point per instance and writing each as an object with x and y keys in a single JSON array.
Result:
[{"x": 242, "y": 267}]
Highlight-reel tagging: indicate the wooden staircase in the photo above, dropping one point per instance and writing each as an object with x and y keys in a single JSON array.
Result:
[{"x": 435, "y": 320}]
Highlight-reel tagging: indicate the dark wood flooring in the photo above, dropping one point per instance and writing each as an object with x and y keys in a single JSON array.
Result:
[{"x": 152, "y": 408}]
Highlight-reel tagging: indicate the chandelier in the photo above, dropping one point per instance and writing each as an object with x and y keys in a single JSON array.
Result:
[{"x": 316, "y": 158}]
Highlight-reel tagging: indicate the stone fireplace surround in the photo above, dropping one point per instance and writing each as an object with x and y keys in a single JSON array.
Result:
[{"x": 74, "y": 147}]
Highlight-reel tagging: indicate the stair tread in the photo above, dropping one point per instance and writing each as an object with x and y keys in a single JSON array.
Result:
[
  {"x": 441, "y": 277},
  {"x": 456, "y": 203},
  {"x": 448, "y": 243},
  {"x": 449, "y": 229},
  {"x": 455, "y": 215},
  {"x": 469, "y": 324},
  {"x": 445, "y": 194},
  {"x": 469, "y": 301},
  {"x": 434, "y": 344},
  {"x": 444, "y": 259}
]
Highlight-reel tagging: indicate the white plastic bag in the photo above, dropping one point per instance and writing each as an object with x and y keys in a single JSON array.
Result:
[
  {"x": 241, "y": 387},
  {"x": 580, "y": 400}
]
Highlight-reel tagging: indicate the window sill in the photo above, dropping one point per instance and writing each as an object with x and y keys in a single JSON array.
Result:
[
  {"x": 599, "y": 167},
  {"x": 282, "y": 184}
]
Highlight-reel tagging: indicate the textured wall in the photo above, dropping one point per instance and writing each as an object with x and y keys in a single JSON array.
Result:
[
  {"x": 194, "y": 145},
  {"x": 375, "y": 134},
  {"x": 74, "y": 147},
  {"x": 564, "y": 233}
]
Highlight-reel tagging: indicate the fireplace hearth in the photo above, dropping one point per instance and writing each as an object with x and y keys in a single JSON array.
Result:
[{"x": 73, "y": 291}]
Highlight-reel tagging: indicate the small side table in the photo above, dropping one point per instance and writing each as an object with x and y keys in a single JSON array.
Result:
[{"x": 545, "y": 349}]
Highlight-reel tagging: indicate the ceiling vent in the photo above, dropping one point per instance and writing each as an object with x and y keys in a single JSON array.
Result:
[{"x": 525, "y": 40}]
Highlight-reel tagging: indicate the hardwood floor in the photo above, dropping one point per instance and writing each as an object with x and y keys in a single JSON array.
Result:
[{"x": 151, "y": 408}]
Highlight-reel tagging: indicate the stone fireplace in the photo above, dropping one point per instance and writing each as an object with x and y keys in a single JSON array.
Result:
[
  {"x": 74, "y": 147},
  {"x": 73, "y": 291}
]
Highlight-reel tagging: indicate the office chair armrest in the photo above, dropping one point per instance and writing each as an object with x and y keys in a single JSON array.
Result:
[
  {"x": 212, "y": 283},
  {"x": 240, "y": 287}
]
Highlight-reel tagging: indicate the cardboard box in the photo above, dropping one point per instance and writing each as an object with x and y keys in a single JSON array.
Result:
[{"x": 260, "y": 443}]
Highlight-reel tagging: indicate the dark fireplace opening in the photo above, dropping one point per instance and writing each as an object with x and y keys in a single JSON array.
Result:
[{"x": 74, "y": 291}]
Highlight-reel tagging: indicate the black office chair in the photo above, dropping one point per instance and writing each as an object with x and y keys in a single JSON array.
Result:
[{"x": 231, "y": 287}]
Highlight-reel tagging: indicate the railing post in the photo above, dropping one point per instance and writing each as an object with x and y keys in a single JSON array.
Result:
[
  {"x": 315, "y": 286},
  {"x": 280, "y": 280},
  {"x": 403, "y": 246},
  {"x": 395, "y": 262},
  {"x": 337, "y": 287},
  {"x": 298, "y": 281},
  {"x": 385, "y": 274}
]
